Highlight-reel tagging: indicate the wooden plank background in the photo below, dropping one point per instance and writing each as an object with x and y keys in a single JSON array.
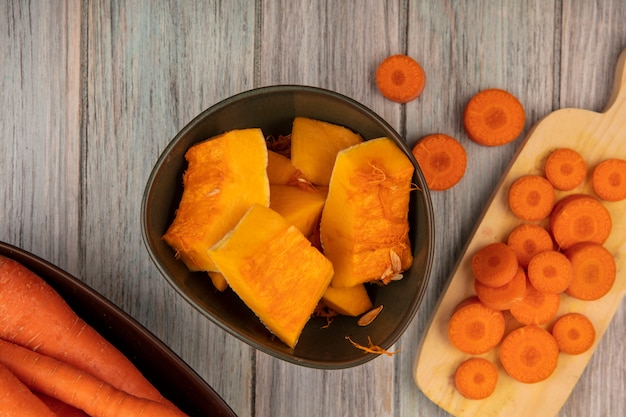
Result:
[{"x": 92, "y": 92}]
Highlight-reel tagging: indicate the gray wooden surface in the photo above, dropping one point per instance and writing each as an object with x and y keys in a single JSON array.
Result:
[{"x": 92, "y": 92}]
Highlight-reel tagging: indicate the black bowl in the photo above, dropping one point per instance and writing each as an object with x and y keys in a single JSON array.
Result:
[
  {"x": 273, "y": 109},
  {"x": 163, "y": 368}
]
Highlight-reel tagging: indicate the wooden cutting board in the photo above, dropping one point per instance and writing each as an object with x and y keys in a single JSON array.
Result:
[{"x": 596, "y": 136}]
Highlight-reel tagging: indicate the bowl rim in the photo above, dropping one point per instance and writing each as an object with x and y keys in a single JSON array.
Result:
[{"x": 398, "y": 139}]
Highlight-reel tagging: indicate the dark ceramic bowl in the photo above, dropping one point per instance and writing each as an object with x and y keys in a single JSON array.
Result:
[
  {"x": 273, "y": 109},
  {"x": 162, "y": 367}
]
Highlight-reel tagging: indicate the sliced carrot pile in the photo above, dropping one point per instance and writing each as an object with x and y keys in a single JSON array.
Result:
[
  {"x": 442, "y": 159},
  {"x": 550, "y": 272},
  {"x": 529, "y": 354},
  {"x": 400, "y": 78},
  {"x": 527, "y": 240},
  {"x": 580, "y": 218},
  {"x": 493, "y": 117},
  {"x": 574, "y": 333},
  {"x": 609, "y": 179},
  {"x": 565, "y": 168},
  {"x": 536, "y": 307},
  {"x": 476, "y": 378},
  {"x": 476, "y": 328},
  {"x": 495, "y": 264},
  {"x": 504, "y": 297},
  {"x": 531, "y": 197},
  {"x": 594, "y": 271}
]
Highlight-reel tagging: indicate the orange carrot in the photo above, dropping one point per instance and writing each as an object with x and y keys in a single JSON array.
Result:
[
  {"x": 475, "y": 328},
  {"x": 527, "y": 240},
  {"x": 609, "y": 179},
  {"x": 529, "y": 354},
  {"x": 442, "y": 159},
  {"x": 59, "y": 408},
  {"x": 400, "y": 78},
  {"x": 580, "y": 218},
  {"x": 565, "y": 169},
  {"x": 495, "y": 264},
  {"x": 493, "y": 117},
  {"x": 33, "y": 315},
  {"x": 536, "y": 307},
  {"x": 574, "y": 333},
  {"x": 550, "y": 272},
  {"x": 16, "y": 399},
  {"x": 76, "y": 387},
  {"x": 531, "y": 197},
  {"x": 504, "y": 297},
  {"x": 594, "y": 271},
  {"x": 476, "y": 378}
]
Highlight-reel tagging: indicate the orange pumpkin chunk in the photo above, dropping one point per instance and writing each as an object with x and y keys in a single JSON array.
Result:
[
  {"x": 348, "y": 301},
  {"x": 364, "y": 222},
  {"x": 218, "y": 190},
  {"x": 274, "y": 269}
]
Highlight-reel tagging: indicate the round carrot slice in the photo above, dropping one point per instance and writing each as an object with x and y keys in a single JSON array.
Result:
[
  {"x": 580, "y": 218},
  {"x": 536, "y": 307},
  {"x": 504, "y": 297},
  {"x": 529, "y": 354},
  {"x": 495, "y": 264},
  {"x": 475, "y": 328},
  {"x": 574, "y": 333},
  {"x": 493, "y": 117},
  {"x": 594, "y": 271},
  {"x": 476, "y": 378},
  {"x": 565, "y": 169},
  {"x": 400, "y": 78},
  {"x": 527, "y": 240},
  {"x": 531, "y": 197},
  {"x": 550, "y": 272},
  {"x": 442, "y": 159},
  {"x": 609, "y": 179}
]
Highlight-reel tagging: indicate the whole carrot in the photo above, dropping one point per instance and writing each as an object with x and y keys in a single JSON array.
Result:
[
  {"x": 76, "y": 387},
  {"x": 34, "y": 315},
  {"x": 17, "y": 400},
  {"x": 59, "y": 408}
]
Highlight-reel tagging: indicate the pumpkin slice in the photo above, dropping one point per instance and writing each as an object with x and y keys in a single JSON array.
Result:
[
  {"x": 314, "y": 146},
  {"x": 274, "y": 269},
  {"x": 280, "y": 170},
  {"x": 225, "y": 176},
  {"x": 364, "y": 226},
  {"x": 348, "y": 301},
  {"x": 301, "y": 208}
]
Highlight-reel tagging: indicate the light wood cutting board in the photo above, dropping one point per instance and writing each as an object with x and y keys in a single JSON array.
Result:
[{"x": 596, "y": 136}]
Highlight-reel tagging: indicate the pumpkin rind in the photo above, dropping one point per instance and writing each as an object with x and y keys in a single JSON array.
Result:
[
  {"x": 274, "y": 269},
  {"x": 314, "y": 146},
  {"x": 365, "y": 217},
  {"x": 225, "y": 176}
]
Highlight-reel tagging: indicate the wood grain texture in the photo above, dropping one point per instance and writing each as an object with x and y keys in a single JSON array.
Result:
[{"x": 92, "y": 91}]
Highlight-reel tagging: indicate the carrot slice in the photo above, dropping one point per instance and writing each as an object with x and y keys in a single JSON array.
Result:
[
  {"x": 574, "y": 333},
  {"x": 580, "y": 218},
  {"x": 594, "y": 271},
  {"x": 550, "y": 272},
  {"x": 476, "y": 328},
  {"x": 536, "y": 307},
  {"x": 529, "y": 354},
  {"x": 495, "y": 264},
  {"x": 442, "y": 159},
  {"x": 476, "y": 378},
  {"x": 565, "y": 168},
  {"x": 493, "y": 117},
  {"x": 504, "y": 297},
  {"x": 531, "y": 197},
  {"x": 400, "y": 78},
  {"x": 527, "y": 240},
  {"x": 609, "y": 179}
]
